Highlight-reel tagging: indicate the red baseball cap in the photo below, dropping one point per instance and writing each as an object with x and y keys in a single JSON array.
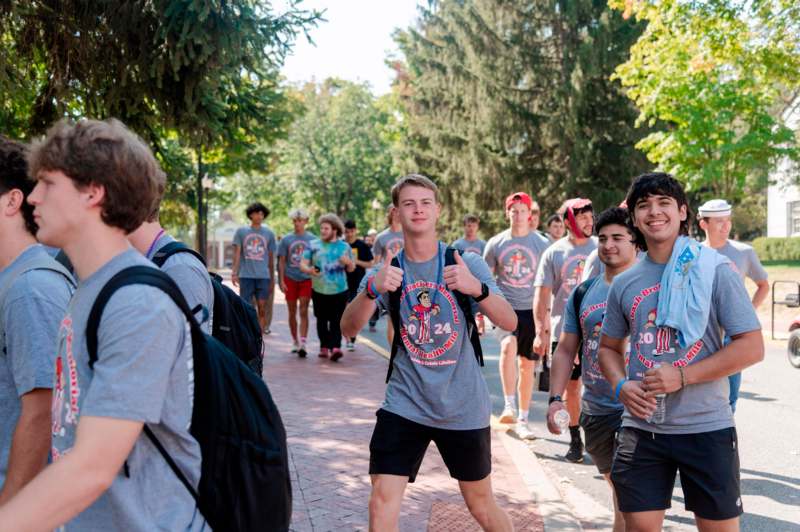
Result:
[{"x": 520, "y": 197}]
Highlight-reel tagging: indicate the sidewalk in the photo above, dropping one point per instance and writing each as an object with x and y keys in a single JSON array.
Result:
[{"x": 329, "y": 412}]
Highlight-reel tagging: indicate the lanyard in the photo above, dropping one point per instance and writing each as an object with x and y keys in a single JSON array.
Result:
[
  {"x": 153, "y": 244},
  {"x": 439, "y": 273}
]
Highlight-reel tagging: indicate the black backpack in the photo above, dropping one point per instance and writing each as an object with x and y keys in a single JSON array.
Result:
[
  {"x": 235, "y": 321},
  {"x": 462, "y": 300},
  {"x": 244, "y": 481}
]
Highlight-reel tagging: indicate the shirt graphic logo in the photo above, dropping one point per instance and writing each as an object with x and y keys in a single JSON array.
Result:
[
  {"x": 66, "y": 389},
  {"x": 519, "y": 265},
  {"x": 296, "y": 250},
  {"x": 255, "y": 247},
  {"x": 431, "y": 328},
  {"x": 394, "y": 245},
  {"x": 653, "y": 342},
  {"x": 572, "y": 271}
]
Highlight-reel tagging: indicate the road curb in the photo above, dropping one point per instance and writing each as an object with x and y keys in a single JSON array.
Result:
[{"x": 556, "y": 513}]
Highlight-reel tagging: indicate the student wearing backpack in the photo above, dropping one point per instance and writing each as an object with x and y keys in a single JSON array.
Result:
[
  {"x": 97, "y": 182},
  {"x": 34, "y": 292},
  {"x": 328, "y": 260},
  {"x": 601, "y": 411},
  {"x": 188, "y": 272},
  {"x": 436, "y": 391}
]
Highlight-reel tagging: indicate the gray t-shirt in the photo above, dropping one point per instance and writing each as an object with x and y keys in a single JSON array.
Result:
[
  {"x": 514, "y": 261},
  {"x": 561, "y": 270},
  {"x": 192, "y": 278},
  {"x": 632, "y": 310},
  {"x": 436, "y": 379},
  {"x": 470, "y": 246},
  {"x": 744, "y": 259},
  {"x": 387, "y": 240},
  {"x": 143, "y": 373},
  {"x": 292, "y": 247},
  {"x": 255, "y": 245},
  {"x": 31, "y": 312},
  {"x": 598, "y": 397},
  {"x": 593, "y": 266}
]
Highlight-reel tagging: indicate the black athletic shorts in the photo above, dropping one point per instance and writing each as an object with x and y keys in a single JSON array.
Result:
[
  {"x": 525, "y": 334},
  {"x": 398, "y": 446},
  {"x": 644, "y": 469},
  {"x": 576, "y": 368},
  {"x": 601, "y": 436}
]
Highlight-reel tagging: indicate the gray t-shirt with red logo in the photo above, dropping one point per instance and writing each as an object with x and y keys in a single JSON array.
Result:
[
  {"x": 514, "y": 261},
  {"x": 387, "y": 241},
  {"x": 255, "y": 245},
  {"x": 436, "y": 380},
  {"x": 632, "y": 311},
  {"x": 292, "y": 247},
  {"x": 598, "y": 397},
  {"x": 561, "y": 270}
]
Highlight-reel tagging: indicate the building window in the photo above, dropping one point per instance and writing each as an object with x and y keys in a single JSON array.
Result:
[{"x": 794, "y": 218}]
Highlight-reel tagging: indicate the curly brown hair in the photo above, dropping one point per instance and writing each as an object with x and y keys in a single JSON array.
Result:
[{"x": 107, "y": 154}]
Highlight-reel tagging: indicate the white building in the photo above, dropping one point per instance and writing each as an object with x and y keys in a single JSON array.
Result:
[{"x": 783, "y": 195}]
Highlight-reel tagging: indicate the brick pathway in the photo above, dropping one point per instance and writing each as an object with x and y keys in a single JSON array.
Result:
[{"x": 329, "y": 412}]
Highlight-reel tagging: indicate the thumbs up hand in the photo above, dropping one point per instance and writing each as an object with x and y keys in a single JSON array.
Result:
[
  {"x": 389, "y": 278},
  {"x": 459, "y": 277}
]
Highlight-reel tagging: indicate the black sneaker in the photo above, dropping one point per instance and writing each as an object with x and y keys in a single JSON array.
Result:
[
  {"x": 301, "y": 351},
  {"x": 575, "y": 453}
]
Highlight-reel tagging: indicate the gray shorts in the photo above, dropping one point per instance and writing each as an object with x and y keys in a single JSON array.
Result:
[{"x": 250, "y": 289}]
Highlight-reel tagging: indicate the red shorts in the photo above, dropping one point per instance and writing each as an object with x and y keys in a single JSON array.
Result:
[{"x": 298, "y": 289}]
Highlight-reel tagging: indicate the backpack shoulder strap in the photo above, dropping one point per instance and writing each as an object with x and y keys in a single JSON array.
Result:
[
  {"x": 394, "y": 314},
  {"x": 134, "y": 275},
  {"x": 161, "y": 256},
  {"x": 464, "y": 302},
  {"x": 156, "y": 278}
]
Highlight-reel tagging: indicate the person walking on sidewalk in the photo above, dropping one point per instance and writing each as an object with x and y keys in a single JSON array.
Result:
[
  {"x": 560, "y": 271},
  {"x": 254, "y": 261},
  {"x": 436, "y": 391},
  {"x": 675, "y": 387},
  {"x": 34, "y": 293},
  {"x": 513, "y": 256},
  {"x": 362, "y": 255},
  {"x": 601, "y": 412},
  {"x": 715, "y": 221},
  {"x": 295, "y": 284},
  {"x": 327, "y": 261},
  {"x": 97, "y": 182}
]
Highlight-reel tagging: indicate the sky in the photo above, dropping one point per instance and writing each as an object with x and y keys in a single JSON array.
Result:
[{"x": 354, "y": 42}]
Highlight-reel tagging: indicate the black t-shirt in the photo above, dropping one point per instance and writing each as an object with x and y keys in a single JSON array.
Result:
[{"x": 361, "y": 251}]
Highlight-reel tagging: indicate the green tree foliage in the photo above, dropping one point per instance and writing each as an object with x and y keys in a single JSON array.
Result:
[
  {"x": 718, "y": 74},
  {"x": 195, "y": 78},
  {"x": 515, "y": 95},
  {"x": 337, "y": 157}
]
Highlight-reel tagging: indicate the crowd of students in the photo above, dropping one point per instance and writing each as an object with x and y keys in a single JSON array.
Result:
[{"x": 654, "y": 324}]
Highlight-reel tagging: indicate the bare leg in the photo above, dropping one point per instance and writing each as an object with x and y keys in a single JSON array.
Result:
[
  {"x": 707, "y": 525},
  {"x": 385, "y": 501},
  {"x": 644, "y": 521},
  {"x": 291, "y": 306},
  {"x": 508, "y": 364},
  {"x": 483, "y": 506},
  {"x": 526, "y": 378},
  {"x": 619, "y": 520},
  {"x": 304, "y": 317}
]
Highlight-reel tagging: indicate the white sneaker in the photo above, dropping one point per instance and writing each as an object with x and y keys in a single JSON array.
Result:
[
  {"x": 295, "y": 347},
  {"x": 523, "y": 431},
  {"x": 351, "y": 346},
  {"x": 507, "y": 416}
]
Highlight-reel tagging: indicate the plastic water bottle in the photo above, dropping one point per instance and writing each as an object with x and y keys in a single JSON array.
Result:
[
  {"x": 561, "y": 419},
  {"x": 660, "y": 413}
]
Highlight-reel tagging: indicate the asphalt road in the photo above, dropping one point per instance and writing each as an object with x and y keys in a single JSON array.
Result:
[{"x": 768, "y": 424}]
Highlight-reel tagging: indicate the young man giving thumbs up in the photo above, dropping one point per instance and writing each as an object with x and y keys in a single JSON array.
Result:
[{"x": 435, "y": 391}]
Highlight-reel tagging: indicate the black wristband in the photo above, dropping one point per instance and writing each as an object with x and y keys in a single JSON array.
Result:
[
  {"x": 554, "y": 399},
  {"x": 484, "y": 293}
]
